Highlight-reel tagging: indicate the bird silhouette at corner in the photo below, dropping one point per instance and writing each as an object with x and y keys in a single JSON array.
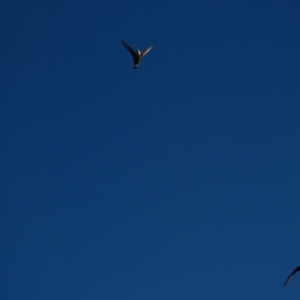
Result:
[
  {"x": 291, "y": 275},
  {"x": 137, "y": 55}
]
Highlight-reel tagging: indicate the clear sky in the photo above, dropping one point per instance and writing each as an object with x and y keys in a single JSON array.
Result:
[{"x": 178, "y": 180}]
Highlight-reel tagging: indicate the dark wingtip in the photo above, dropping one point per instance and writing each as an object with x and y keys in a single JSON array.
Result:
[{"x": 287, "y": 280}]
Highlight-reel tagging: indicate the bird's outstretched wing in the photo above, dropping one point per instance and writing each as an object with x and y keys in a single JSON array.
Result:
[
  {"x": 128, "y": 48},
  {"x": 291, "y": 275},
  {"x": 147, "y": 50}
]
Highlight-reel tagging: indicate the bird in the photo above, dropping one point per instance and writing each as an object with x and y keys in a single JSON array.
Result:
[
  {"x": 137, "y": 55},
  {"x": 291, "y": 275}
]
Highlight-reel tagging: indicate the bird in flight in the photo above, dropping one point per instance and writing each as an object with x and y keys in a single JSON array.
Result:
[
  {"x": 291, "y": 275},
  {"x": 137, "y": 55}
]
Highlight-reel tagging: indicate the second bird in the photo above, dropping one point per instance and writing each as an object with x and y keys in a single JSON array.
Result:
[
  {"x": 137, "y": 55},
  {"x": 291, "y": 275}
]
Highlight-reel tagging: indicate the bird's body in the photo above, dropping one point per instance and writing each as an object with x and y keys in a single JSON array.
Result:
[
  {"x": 137, "y": 55},
  {"x": 291, "y": 275}
]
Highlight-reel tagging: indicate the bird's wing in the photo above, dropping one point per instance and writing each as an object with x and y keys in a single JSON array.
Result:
[
  {"x": 128, "y": 48},
  {"x": 291, "y": 275},
  {"x": 147, "y": 50}
]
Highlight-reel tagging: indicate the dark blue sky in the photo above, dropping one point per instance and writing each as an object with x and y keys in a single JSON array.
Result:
[{"x": 178, "y": 180}]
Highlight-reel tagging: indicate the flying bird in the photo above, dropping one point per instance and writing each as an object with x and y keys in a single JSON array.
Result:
[
  {"x": 137, "y": 55},
  {"x": 291, "y": 275}
]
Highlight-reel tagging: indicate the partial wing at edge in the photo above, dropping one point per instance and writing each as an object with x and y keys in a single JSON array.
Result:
[{"x": 291, "y": 275}]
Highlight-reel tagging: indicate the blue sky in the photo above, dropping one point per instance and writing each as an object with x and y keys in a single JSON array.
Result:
[{"x": 178, "y": 180}]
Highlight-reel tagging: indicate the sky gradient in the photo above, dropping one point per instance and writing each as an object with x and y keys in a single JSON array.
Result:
[{"x": 178, "y": 180}]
